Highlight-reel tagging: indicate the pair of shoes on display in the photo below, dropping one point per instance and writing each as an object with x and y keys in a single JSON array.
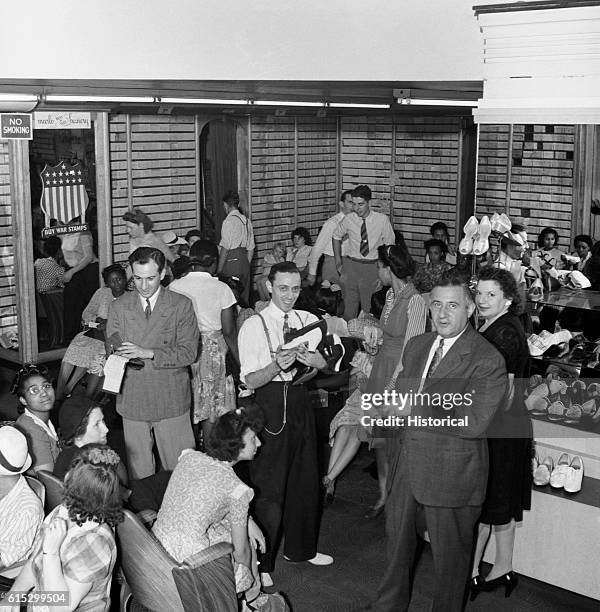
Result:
[
  {"x": 476, "y": 236},
  {"x": 567, "y": 473},
  {"x": 318, "y": 559},
  {"x": 478, "y": 584},
  {"x": 500, "y": 223}
]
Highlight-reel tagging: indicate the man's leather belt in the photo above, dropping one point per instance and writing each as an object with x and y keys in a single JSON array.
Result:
[{"x": 362, "y": 261}]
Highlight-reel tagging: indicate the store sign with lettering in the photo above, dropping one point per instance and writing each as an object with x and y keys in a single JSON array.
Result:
[
  {"x": 61, "y": 120},
  {"x": 16, "y": 126},
  {"x": 60, "y": 230}
]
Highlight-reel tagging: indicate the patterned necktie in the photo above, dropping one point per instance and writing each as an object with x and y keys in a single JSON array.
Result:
[
  {"x": 148, "y": 309},
  {"x": 364, "y": 239},
  {"x": 437, "y": 357},
  {"x": 286, "y": 326}
]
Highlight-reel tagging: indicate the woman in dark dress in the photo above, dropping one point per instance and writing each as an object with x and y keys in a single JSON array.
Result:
[{"x": 510, "y": 436}]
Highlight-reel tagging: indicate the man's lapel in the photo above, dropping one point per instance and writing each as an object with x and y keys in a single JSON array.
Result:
[{"x": 453, "y": 360}]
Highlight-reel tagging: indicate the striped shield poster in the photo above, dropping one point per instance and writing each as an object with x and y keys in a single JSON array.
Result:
[{"x": 64, "y": 197}]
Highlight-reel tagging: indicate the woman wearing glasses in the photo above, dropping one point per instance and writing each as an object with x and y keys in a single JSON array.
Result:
[{"x": 36, "y": 400}]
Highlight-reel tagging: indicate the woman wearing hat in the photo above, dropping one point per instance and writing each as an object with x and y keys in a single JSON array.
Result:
[
  {"x": 36, "y": 399},
  {"x": 81, "y": 422},
  {"x": 21, "y": 511},
  {"x": 76, "y": 549}
]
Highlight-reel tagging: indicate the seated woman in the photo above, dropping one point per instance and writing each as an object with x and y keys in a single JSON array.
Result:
[
  {"x": 328, "y": 305},
  {"x": 275, "y": 255},
  {"x": 86, "y": 351},
  {"x": 81, "y": 422},
  {"x": 434, "y": 268},
  {"x": 76, "y": 550},
  {"x": 206, "y": 503},
  {"x": 49, "y": 274},
  {"x": 36, "y": 399},
  {"x": 300, "y": 251}
]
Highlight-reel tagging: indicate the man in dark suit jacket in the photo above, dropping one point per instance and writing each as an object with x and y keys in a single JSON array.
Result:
[
  {"x": 439, "y": 468},
  {"x": 160, "y": 328}
]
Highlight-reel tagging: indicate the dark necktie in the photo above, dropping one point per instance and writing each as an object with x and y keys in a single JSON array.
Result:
[
  {"x": 437, "y": 357},
  {"x": 364, "y": 239},
  {"x": 286, "y": 326},
  {"x": 148, "y": 309}
]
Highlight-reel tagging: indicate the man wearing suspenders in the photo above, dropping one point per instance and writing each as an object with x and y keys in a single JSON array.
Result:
[
  {"x": 285, "y": 472},
  {"x": 237, "y": 244}
]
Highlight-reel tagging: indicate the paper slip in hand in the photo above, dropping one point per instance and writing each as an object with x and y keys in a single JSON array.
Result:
[{"x": 114, "y": 370}]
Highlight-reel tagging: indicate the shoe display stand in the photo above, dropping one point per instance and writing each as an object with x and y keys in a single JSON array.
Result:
[{"x": 558, "y": 541}]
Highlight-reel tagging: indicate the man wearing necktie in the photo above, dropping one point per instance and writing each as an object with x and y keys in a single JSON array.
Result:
[
  {"x": 439, "y": 471},
  {"x": 159, "y": 329},
  {"x": 285, "y": 471},
  {"x": 366, "y": 231}
]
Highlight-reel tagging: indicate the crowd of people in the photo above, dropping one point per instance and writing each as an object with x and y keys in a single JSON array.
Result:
[{"x": 212, "y": 382}]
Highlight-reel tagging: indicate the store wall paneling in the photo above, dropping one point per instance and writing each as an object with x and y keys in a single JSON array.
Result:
[{"x": 8, "y": 297}]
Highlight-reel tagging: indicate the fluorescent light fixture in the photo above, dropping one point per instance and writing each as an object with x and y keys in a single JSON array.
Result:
[
  {"x": 423, "y": 102},
  {"x": 357, "y": 105},
  {"x": 199, "y": 101},
  {"x": 10, "y": 97},
  {"x": 124, "y": 99},
  {"x": 284, "y": 103}
]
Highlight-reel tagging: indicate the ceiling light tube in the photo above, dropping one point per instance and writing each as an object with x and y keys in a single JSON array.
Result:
[
  {"x": 199, "y": 101},
  {"x": 423, "y": 102},
  {"x": 12, "y": 97},
  {"x": 285, "y": 103},
  {"x": 123, "y": 99},
  {"x": 356, "y": 105}
]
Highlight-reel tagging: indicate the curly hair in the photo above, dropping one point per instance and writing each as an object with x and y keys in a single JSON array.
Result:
[
  {"x": 19, "y": 384},
  {"x": 397, "y": 260},
  {"x": 584, "y": 238},
  {"x": 434, "y": 242},
  {"x": 92, "y": 486},
  {"x": 507, "y": 283},
  {"x": 303, "y": 233},
  {"x": 546, "y": 232},
  {"x": 113, "y": 269},
  {"x": 226, "y": 438}
]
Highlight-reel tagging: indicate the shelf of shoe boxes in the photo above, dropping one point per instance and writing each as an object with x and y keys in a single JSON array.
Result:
[{"x": 559, "y": 539}]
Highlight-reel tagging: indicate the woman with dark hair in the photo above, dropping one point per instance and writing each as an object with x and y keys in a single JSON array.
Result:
[
  {"x": 86, "y": 352},
  {"x": 402, "y": 318},
  {"x": 583, "y": 250},
  {"x": 509, "y": 438},
  {"x": 549, "y": 255},
  {"x": 75, "y": 552},
  {"x": 49, "y": 274},
  {"x": 435, "y": 265},
  {"x": 300, "y": 250},
  {"x": 36, "y": 399},
  {"x": 439, "y": 231},
  {"x": 206, "y": 502}
]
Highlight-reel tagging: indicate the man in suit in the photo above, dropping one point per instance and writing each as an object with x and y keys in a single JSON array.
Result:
[
  {"x": 438, "y": 471},
  {"x": 159, "y": 328}
]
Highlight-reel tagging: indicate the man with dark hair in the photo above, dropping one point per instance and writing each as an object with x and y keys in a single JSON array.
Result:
[
  {"x": 158, "y": 328},
  {"x": 323, "y": 245},
  {"x": 440, "y": 468},
  {"x": 236, "y": 248},
  {"x": 285, "y": 473},
  {"x": 366, "y": 231}
]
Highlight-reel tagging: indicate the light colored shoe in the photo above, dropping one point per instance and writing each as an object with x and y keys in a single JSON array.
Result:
[
  {"x": 559, "y": 473},
  {"x": 574, "y": 476},
  {"x": 266, "y": 580},
  {"x": 480, "y": 243},
  {"x": 471, "y": 228},
  {"x": 321, "y": 559},
  {"x": 541, "y": 475}
]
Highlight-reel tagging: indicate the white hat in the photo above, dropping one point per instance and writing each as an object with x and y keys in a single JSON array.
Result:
[
  {"x": 171, "y": 238},
  {"x": 14, "y": 456}
]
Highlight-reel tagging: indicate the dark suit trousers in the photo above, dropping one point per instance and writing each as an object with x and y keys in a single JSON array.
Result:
[
  {"x": 285, "y": 475},
  {"x": 451, "y": 531}
]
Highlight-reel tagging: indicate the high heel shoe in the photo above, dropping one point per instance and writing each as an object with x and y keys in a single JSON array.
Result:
[
  {"x": 509, "y": 581},
  {"x": 475, "y": 586}
]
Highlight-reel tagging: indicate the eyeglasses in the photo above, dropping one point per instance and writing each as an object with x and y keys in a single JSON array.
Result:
[{"x": 37, "y": 389}]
